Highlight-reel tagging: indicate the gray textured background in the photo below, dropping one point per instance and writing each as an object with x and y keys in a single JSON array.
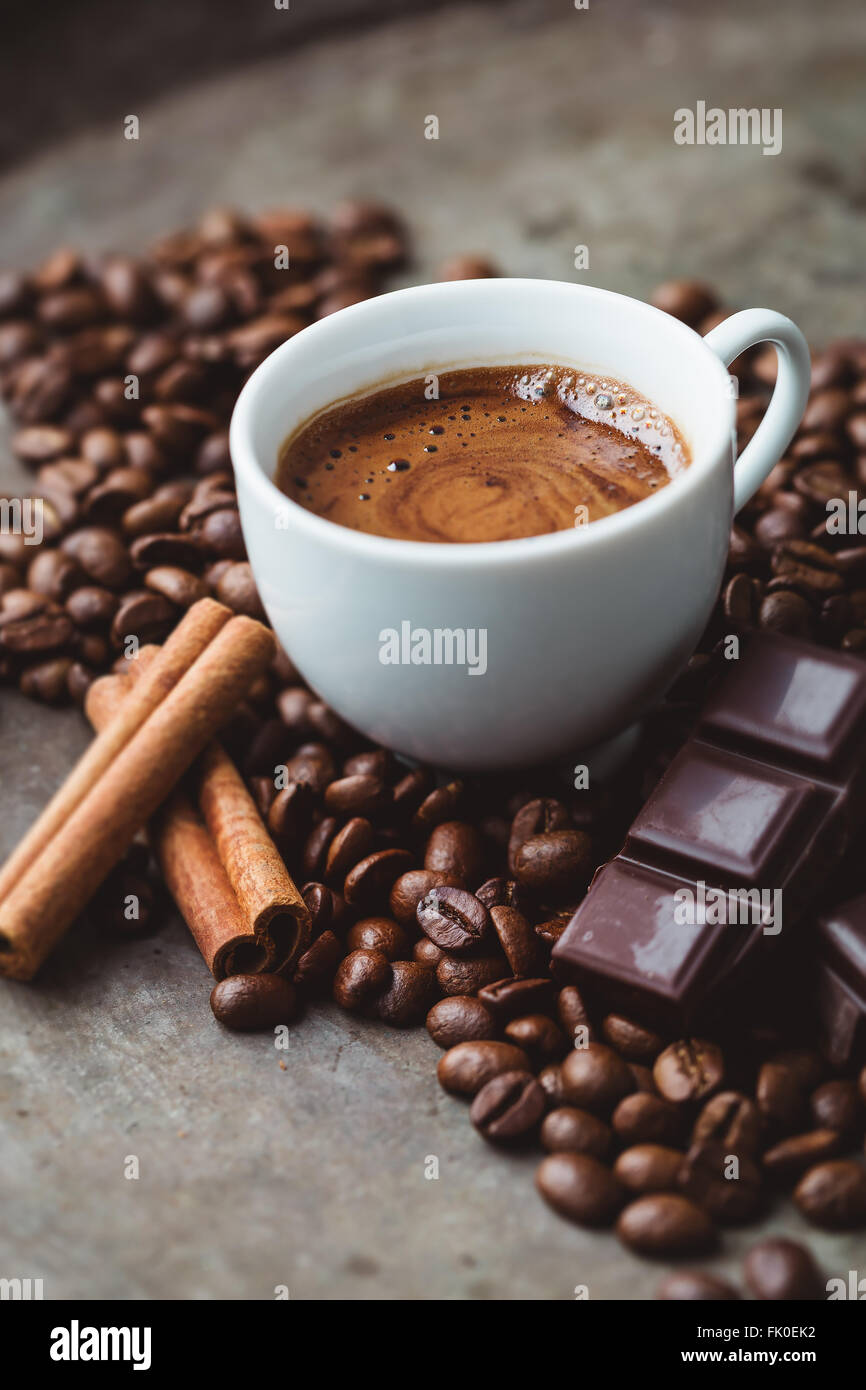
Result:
[{"x": 556, "y": 129}]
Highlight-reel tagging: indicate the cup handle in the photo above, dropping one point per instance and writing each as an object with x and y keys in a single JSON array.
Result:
[{"x": 788, "y": 401}]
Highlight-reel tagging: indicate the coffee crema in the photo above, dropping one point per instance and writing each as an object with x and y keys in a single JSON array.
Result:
[{"x": 501, "y": 453}]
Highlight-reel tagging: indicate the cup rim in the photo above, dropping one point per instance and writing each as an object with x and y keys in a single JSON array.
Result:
[{"x": 252, "y": 470}]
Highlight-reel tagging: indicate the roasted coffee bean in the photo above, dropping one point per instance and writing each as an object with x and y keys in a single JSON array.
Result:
[
  {"x": 317, "y": 844},
  {"x": 147, "y": 617},
  {"x": 595, "y": 1078},
  {"x": 468, "y": 974},
  {"x": 665, "y": 1224},
  {"x": 464, "y": 1069},
  {"x": 426, "y": 954},
  {"x": 36, "y": 634},
  {"x": 695, "y": 1286},
  {"x": 176, "y": 585},
  {"x": 727, "y": 1186},
  {"x": 289, "y": 813},
  {"x": 537, "y": 817},
  {"x": 316, "y": 967},
  {"x": 360, "y": 795},
  {"x": 509, "y": 997},
  {"x": 165, "y": 548},
  {"x": 549, "y": 932},
  {"x": 155, "y": 514},
  {"x": 408, "y": 890},
  {"x": 253, "y": 1003},
  {"x": 438, "y": 806},
  {"x": 573, "y": 1015},
  {"x": 579, "y": 1188},
  {"x": 101, "y": 555},
  {"x": 47, "y": 680},
  {"x": 646, "y": 1119},
  {"x": 369, "y": 883},
  {"x": 833, "y": 1195},
  {"x": 348, "y": 847},
  {"x": 236, "y": 588},
  {"x": 373, "y": 762},
  {"x": 550, "y": 1081},
  {"x": 780, "y": 1095},
  {"x": 454, "y": 919},
  {"x": 837, "y": 1105},
  {"x": 731, "y": 1119},
  {"x": 688, "y": 300},
  {"x": 689, "y": 1070},
  {"x": 648, "y": 1168},
  {"x": 40, "y": 443},
  {"x": 360, "y": 977},
  {"x": 380, "y": 934},
  {"x": 539, "y": 1037},
  {"x": 91, "y": 606},
  {"x": 780, "y": 1270},
  {"x": 467, "y": 268},
  {"x": 553, "y": 864},
  {"x": 460, "y": 1019},
  {"x": 53, "y": 574},
  {"x": 409, "y": 792},
  {"x": 508, "y": 1109},
  {"x": 311, "y": 763},
  {"x": 792, "y": 1156},
  {"x": 632, "y": 1042},
  {"x": 499, "y": 892},
  {"x": 455, "y": 848},
  {"x": 569, "y": 1130},
  {"x": 516, "y": 938}
]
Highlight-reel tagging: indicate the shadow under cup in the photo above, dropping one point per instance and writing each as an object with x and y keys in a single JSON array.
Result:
[{"x": 580, "y": 630}]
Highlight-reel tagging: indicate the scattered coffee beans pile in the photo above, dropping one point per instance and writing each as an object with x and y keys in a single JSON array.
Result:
[{"x": 430, "y": 899}]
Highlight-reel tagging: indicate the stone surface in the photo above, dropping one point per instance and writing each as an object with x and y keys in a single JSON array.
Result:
[{"x": 555, "y": 130}]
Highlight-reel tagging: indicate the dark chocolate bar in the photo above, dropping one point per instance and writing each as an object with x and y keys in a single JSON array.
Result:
[
  {"x": 840, "y": 982},
  {"x": 732, "y": 846}
]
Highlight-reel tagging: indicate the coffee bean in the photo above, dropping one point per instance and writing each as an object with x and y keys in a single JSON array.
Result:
[
  {"x": 780, "y": 1270},
  {"x": 91, "y": 606},
  {"x": 595, "y": 1079},
  {"x": 569, "y": 1130},
  {"x": 499, "y": 892},
  {"x": 833, "y": 1195},
  {"x": 408, "y": 997},
  {"x": 508, "y": 1108},
  {"x": 688, "y": 1070},
  {"x": 355, "y": 796},
  {"x": 469, "y": 974},
  {"x": 178, "y": 586},
  {"x": 837, "y": 1105},
  {"x": 695, "y": 1286},
  {"x": 516, "y": 938},
  {"x": 509, "y": 998},
  {"x": 101, "y": 555},
  {"x": 579, "y": 1188},
  {"x": 464, "y": 1069},
  {"x": 791, "y": 1157},
  {"x": 378, "y": 934},
  {"x": 573, "y": 1015},
  {"x": 731, "y": 1119},
  {"x": 316, "y": 967},
  {"x": 453, "y": 919},
  {"x": 632, "y": 1042},
  {"x": 455, "y": 848},
  {"x": 348, "y": 847},
  {"x": 537, "y": 817},
  {"x": 236, "y": 588},
  {"x": 460, "y": 1019},
  {"x": 553, "y": 864},
  {"x": 550, "y": 1081},
  {"x": 780, "y": 1095},
  {"x": 53, "y": 574},
  {"x": 147, "y": 617},
  {"x": 408, "y": 890},
  {"x": 727, "y": 1186},
  {"x": 289, "y": 813},
  {"x": 539, "y": 1037},
  {"x": 807, "y": 1065},
  {"x": 369, "y": 883},
  {"x": 360, "y": 977},
  {"x": 47, "y": 680},
  {"x": 426, "y": 954},
  {"x": 253, "y": 1003},
  {"x": 36, "y": 634},
  {"x": 438, "y": 806},
  {"x": 688, "y": 300},
  {"x": 466, "y": 268},
  {"x": 648, "y": 1168},
  {"x": 646, "y": 1119},
  {"x": 665, "y": 1224}
]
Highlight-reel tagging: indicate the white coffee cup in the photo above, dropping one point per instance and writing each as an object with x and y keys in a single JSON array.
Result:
[{"x": 584, "y": 628}]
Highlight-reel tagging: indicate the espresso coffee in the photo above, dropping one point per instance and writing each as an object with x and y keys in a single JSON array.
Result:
[{"x": 500, "y": 453}]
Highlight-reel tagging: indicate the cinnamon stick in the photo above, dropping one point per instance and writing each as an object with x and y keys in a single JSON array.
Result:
[
  {"x": 59, "y": 881},
  {"x": 226, "y": 877},
  {"x": 198, "y": 627}
]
